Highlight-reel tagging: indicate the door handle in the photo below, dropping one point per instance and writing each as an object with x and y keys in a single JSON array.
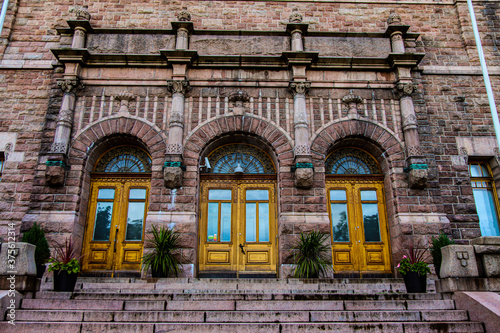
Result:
[
  {"x": 114, "y": 243},
  {"x": 241, "y": 248}
]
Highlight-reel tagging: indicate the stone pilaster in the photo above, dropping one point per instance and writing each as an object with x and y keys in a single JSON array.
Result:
[
  {"x": 304, "y": 172},
  {"x": 81, "y": 27},
  {"x": 416, "y": 168},
  {"x": 172, "y": 170},
  {"x": 396, "y": 32}
]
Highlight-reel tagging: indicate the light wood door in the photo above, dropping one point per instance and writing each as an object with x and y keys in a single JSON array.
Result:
[
  {"x": 359, "y": 226},
  {"x": 238, "y": 226},
  {"x": 114, "y": 235}
]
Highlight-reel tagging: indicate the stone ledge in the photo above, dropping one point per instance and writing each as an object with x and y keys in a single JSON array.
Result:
[{"x": 467, "y": 284}]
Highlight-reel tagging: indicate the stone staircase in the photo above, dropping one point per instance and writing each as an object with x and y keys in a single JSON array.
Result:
[{"x": 239, "y": 305}]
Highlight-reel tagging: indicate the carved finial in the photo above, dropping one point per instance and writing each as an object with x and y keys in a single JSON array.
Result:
[
  {"x": 351, "y": 98},
  {"x": 295, "y": 17},
  {"x": 394, "y": 19},
  {"x": 184, "y": 15},
  {"x": 82, "y": 13},
  {"x": 124, "y": 98}
]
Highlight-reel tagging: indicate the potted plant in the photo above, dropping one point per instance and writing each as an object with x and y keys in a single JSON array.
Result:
[
  {"x": 437, "y": 243},
  {"x": 164, "y": 258},
  {"x": 414, "y": 269},
  {"x": 36, "y": 236},
  {"x": 65, "y": 266},
  {"x": 313, "y": 256}
]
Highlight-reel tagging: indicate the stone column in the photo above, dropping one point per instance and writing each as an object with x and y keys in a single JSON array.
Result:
[
  {"x": 182, "y": 40},
  {"x": 416, "y": 167},
  {"x": 304, "y": 172},
  {"x": 172, "y": 171},
  {"x": 57, "y": 162},
  {"x": 296, "y": 32},
  {"x": 396, "y": 31}
]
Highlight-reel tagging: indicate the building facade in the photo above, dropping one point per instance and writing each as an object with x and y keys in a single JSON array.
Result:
[{"x": 242, "y": 124}]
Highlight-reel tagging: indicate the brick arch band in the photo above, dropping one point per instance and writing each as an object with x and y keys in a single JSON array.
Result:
[{"x": 196, "y": 142}]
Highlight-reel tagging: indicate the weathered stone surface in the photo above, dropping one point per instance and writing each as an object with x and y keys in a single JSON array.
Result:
[
  {"x": 304, "y": 177},
  {"x": 417, "y": 178},
  {"x": 172, "y": 177},
  {"x": 18, "y": 259},
  {"x": 55, "y": 175},
  {"x": 458, "y": 261}
]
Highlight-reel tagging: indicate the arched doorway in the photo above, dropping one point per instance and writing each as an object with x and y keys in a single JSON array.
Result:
[
  {"x": 357, "y": 212},
  {"x": 238, "y": 212},
  {"x": 118, "y": 202}
]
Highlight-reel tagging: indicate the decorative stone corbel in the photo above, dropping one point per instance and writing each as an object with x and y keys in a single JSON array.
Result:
[
  {"x": 173, "y": 174},
  {"x": 352, "y": 102},
  {"x": 238, "y": 98},
  {"x": 125, "y": 98},
  {"x": 183, "y": 15}
]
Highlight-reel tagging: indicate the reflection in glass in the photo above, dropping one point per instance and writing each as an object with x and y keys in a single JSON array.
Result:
[
  {"x": 219, "y": 195},
  {"x": 369, "y": 195},
  {"x": 340, "y": 229},
  {"x": 251, "y": 222},
  {"x": 213, "y": 221},
  {"x": 370, "y": 221},
  {"x": 106, "y": 193},
  {"x": 137, "y": 193},
  {"x": 257, "y": 195},
  {"x": 264, "y": 222},
  {"x": 135, "y": 219},
  {"x": 485, "y": 205},
  {"x": 475, "y": 170},
  {"x": 102, "y": 224},
  {"x": 337, "y": 195},
  {"x": 225, "y": 221}
]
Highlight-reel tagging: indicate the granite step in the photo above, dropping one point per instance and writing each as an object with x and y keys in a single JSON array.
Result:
[{"x": 378, "y": 327}]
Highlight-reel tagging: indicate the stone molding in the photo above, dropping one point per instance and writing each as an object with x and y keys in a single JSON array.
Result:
[
  {"x": 409, "y": 122},
  {"x": 65, "y": 118}
]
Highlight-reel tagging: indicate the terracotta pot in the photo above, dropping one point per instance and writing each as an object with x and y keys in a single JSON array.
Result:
[
  {"x": 415, "y": 283},
  {"x": 64, "y": 281}
]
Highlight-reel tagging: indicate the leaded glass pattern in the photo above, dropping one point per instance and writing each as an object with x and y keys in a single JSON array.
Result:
[
  {"x": 252, "y": 160},
  {"x": 124, "y": 160},
  {"x": 351, "y": 161}
]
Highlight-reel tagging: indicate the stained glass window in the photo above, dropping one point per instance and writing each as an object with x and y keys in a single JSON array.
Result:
[
  {"x": 124, "y": 160},
  {"x": 248, "y": 159},
  {"x": 351, "y": 161},
  {"x": 483, "y": 189}
]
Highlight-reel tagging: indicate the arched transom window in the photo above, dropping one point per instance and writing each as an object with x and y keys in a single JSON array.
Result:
[
  {"x": 240, "y": 157},
  {"x": 351, "y": 161},
  {"x": 124, "y": 160}
]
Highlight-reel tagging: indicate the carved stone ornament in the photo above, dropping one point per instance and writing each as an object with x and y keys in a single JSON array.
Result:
[
  {"x": 394, "y": 19},
  {"x": 174, "y": 149},
  {"x": 172, "y": 177},
  {"x": 176, "y": 120},
  {"x": 405, "y": 89},
  {"x": 70, "y": 86},
  {"x": 302, "y": 150},
  {"x": 409, "y": 122},
  {"x": 304, "y": 178},
  {"x": 80, "y": 33},
  {"x": 55, "y": 175},
  {"x": 239, "y": 96},
  {"x": 417, "y": 178},
  {"x": 299, "y": 88},
  {"x": 351, "y": 98},
  {"x": 413, "y": 151},
  {"x": 82, "y": 13},
  {"x": 59, "y": 147},
  {"x": 178, "y": 86},
  {"x": 184, "y": 16},
  {"x": 295, "y": 17},
  {"x": 65, "y": 117}
]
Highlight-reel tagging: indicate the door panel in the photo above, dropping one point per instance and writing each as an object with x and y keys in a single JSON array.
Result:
[
  {"x": 115, "y": 224},
  {"x": 359, "y": 227},
  {"x": 237, "y": 226}
]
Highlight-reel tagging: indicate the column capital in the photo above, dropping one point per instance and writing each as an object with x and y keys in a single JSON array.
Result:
[
  {"x": 405, "y": 89},
  {"x": 70, "y": 86},
  {"x": 299, "y": 88},
  {"x": 178, "y": 86}
]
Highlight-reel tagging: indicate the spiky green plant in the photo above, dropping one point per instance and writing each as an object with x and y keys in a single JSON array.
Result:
[
  {"x": 437, "y": 243},
  {"x": 36, "y": 236},
  {"x": 65, "y": 258},
  {"x": 313, "y": 255},
  {"x": 162, "y": 258}
]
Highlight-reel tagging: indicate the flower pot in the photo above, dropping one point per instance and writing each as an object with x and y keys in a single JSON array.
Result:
[
  {"x": 415, "y": 283},
  {"x": 64, "y": 281}
]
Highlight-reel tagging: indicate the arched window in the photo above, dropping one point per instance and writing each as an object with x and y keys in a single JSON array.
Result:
[
  {"x": 240, "y": 157},
  {"x": 351, "y": 161},
  {"x": 485, "y": 197},
  {"x": 124, "y": 160}
]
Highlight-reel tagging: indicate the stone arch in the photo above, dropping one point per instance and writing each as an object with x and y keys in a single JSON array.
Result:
[
  {"x": 95, "y": 140},
  {"x": 277, "y": 141}
]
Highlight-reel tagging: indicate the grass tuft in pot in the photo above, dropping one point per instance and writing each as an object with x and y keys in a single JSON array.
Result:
[
  {"x": 164, "y": 258},
  {"x": 313, "y": 255}
]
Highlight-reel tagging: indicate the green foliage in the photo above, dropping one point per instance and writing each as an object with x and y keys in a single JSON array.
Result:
[
  {"x": 65, "y": 258},
  {"x": 36, "y": 236},
  {"x": 163, "y": 259},
  {"x": 414, "y": 261},
  {"x": 313, "y": 256},
  {"x": 437, "y": 243}
]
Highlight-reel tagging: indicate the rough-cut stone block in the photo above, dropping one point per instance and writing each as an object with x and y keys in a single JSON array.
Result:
[
  {"x": 172, "y": 177},
  {"x": 24, "y": 260},
  {"x": 458, "y": 261},
  {"x": 55, "y": 175}
]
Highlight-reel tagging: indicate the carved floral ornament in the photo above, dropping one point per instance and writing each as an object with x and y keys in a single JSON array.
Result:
[
  {"x": 239, "y": 97},
  {"x": 184, "y": 16},
  {"x": 405, "y": 89},
  {"x": 351, "y": 98},
  {"x": 394, "y": 19},
  {"x": 70, "y": 86},
  {"x": 295, "y": 17},
  {"x": 178, "y": 86},
  {"x": 82, "y": 13},
  {"x": 299, "y": 88}
]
